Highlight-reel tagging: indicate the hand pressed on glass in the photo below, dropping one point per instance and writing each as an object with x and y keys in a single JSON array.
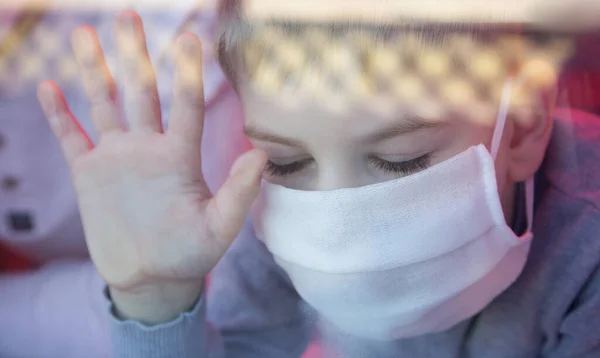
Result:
[{"x": 153, "y": 228}]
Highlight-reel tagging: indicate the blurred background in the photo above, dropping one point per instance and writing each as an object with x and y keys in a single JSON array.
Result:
[{"x": 34, "y": 46}]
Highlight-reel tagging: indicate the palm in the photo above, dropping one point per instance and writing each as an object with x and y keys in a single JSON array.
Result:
[
  {"x": 156, "y": 196},
  {"x": 148, "y": 215}
]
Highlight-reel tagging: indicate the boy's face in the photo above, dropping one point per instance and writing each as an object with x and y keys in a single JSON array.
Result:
[
  {"x": 314, "y": 143},
  {"x": 312, "y": 147}
]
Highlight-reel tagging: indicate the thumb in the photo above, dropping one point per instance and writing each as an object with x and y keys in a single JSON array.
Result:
[{"x": 228, "y": 209}]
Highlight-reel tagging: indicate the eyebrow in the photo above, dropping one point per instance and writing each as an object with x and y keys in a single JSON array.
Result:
[
  {"x": 407, "y": 125},
  {"x": 258, "y": 134}
]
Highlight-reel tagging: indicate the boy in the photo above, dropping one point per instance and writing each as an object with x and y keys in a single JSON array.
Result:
[{"x": 404, "y": 229}]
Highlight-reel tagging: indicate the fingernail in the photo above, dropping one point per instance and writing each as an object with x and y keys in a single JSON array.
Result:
[
  {"x": 127, "y": 23},
  {"x": 51, "y": 106},
  {"x": 188, "y": 46},
  {"x": 55, "y": 123},
  {"x": 188, "y": 63},
  {"x": 246, "y": 166},
  {"x": 83, "y": 43},
  {"x": 46, "y": 100},
  {"x": 237, "y": 166},
  {"x": 129, "y": 37}
]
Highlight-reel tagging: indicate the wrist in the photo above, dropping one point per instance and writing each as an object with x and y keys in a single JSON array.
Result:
[{"x": 156, "y": 304}]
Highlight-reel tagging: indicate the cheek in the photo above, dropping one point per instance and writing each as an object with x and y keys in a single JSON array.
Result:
[
  {"x": 462, "y": 137},
  {"x": 501, "y": 166},
  {"x": 505, "y": 186},
  {"x": 470, "y": 134}
]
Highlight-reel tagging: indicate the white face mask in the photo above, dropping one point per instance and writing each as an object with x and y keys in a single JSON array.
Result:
[{"x": 403, "y": 258}]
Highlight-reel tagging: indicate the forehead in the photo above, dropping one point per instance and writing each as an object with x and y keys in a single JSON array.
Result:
[
  {"x": 432, "y": 71},
  {"x": 265, "y": 118}
]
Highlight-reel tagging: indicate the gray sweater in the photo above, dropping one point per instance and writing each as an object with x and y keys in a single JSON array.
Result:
[{"x": 552, "y": 310}]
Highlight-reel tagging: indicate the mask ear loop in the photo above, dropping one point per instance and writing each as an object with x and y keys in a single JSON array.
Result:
[
  {"x": 501, "y": 118},
  {"x": 497, "y": 137}
]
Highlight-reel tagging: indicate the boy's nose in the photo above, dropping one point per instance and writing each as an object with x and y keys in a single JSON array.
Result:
[{"x": 338, "y": 178}]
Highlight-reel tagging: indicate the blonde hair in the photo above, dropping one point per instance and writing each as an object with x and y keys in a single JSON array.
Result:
[
  {"x": 446, "y": 61},
  {"x": 231, "y": 31},
  {"x": 234, "y": 30}
]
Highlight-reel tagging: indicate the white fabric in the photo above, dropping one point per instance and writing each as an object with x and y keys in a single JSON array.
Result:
[{"x": 401, "y": 258}]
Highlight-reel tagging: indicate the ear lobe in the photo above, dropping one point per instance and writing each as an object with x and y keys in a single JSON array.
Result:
[{"x": 530, "y": 136}]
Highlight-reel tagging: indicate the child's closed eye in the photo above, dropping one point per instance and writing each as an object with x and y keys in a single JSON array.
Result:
[
  {"x": 281, "y": 170},
  {"x": 405, "y": 167}
]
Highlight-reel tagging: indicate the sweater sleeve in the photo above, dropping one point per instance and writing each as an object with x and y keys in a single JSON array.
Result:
[
  {"x": 579, "y": 332},
  {"x": 249, "y": 311}
]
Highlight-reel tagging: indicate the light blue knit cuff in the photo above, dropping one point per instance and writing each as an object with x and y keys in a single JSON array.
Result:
[{"x": 183, "y": 337}]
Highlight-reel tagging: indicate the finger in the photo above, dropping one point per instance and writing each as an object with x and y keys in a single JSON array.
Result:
[
  {"x": 186, "y": 119},
  {"x": 97, "y": 80},
  {"x": 66, "y": 129},
  {"x": 230, "y": 206},
  {"x": 141, "y": 101}
]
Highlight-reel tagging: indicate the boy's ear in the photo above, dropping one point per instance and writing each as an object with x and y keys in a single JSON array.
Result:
[{"x": 530, "y": 137}]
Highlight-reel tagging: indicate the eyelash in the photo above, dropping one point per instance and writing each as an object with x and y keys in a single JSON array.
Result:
[
  {"x": 408, "y": 167},
  {"x": 287, "y": 169},
  {"x": 405, "y": 168}
]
